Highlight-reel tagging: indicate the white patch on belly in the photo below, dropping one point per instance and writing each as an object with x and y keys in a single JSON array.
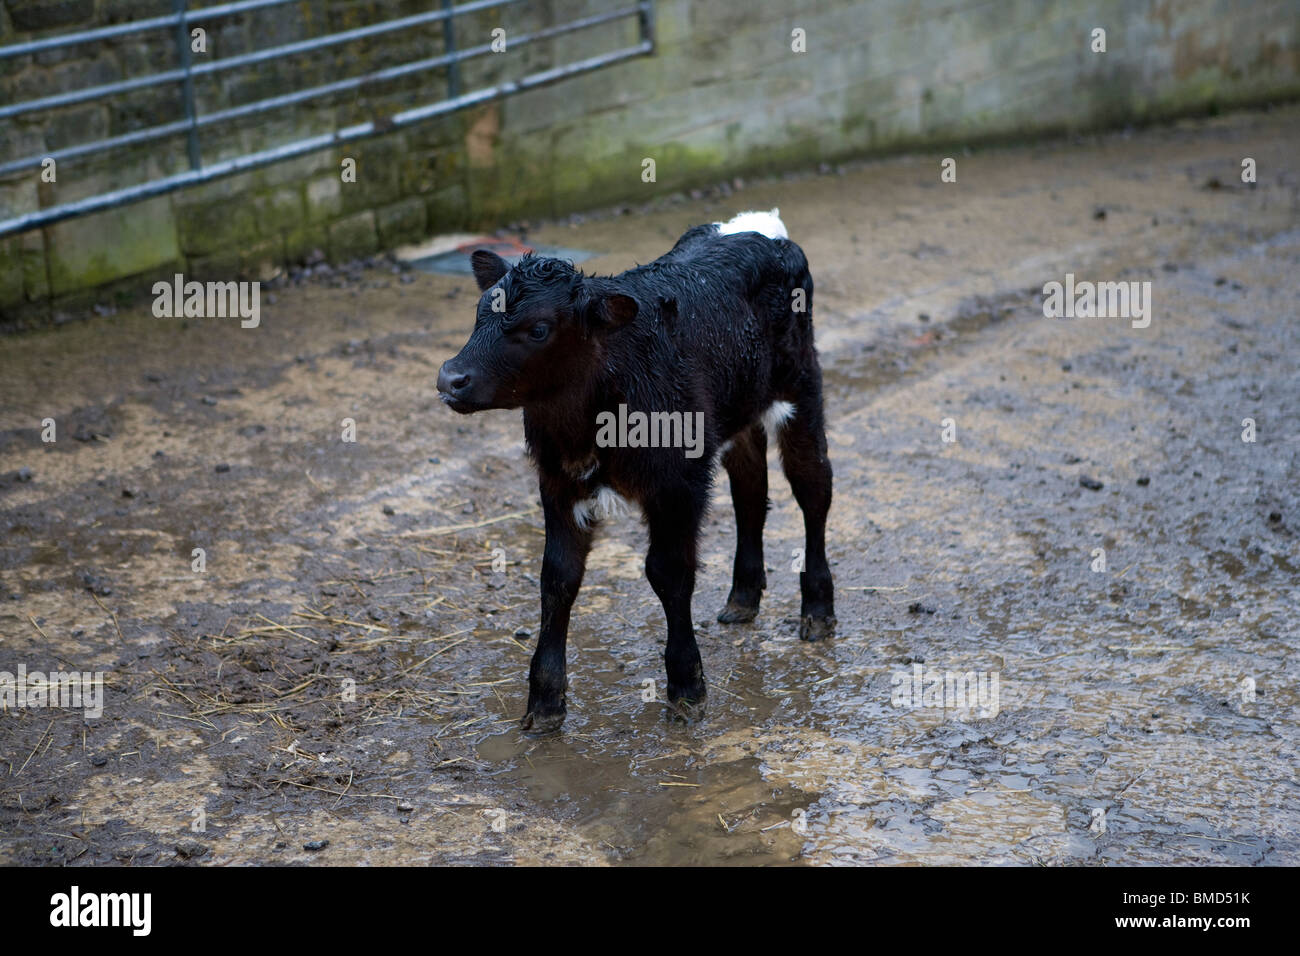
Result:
[
  {"x": 765, "y": 223},
  {"x": 605, "y": 503},
  {"x": 776, "y": 416},
  {"x": 717, "y": 455}
]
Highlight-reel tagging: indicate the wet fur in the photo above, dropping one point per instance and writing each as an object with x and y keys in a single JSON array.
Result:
[{"x": 709, "y": 327}]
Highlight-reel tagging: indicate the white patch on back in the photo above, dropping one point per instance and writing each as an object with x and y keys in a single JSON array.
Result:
[
  {"x": 767, "y": 223},
  {"x": 605, "y": 503},
  {"x": 776, "y": 416}
]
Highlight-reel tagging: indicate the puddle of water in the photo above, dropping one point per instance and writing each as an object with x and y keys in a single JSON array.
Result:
[{"x": 649, "y": 789}]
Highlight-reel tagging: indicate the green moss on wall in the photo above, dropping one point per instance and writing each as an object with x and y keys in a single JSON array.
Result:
[
  {"x": 90, "y": 252},
  {"x": 723, "y": 96}
]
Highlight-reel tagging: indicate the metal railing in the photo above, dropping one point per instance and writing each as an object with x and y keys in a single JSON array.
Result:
[{"x": 181, "y": 20}]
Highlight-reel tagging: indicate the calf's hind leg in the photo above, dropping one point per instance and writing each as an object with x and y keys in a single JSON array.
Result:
[
  {"x": 803, "y": 456},
  {"x": 746, "y": 464}
]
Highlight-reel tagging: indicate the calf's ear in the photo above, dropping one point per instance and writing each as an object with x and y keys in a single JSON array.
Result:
[
  {"x": 613, "y": 311},
  {"x": 488, "y": 268}
]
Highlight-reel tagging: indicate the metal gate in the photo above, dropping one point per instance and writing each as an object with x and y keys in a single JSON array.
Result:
[{"x": 184, "y": 75}]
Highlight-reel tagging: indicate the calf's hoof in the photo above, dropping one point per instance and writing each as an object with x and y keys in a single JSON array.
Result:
[
  {"x": 688, "y": 706},
  {"x": 539, "y": 722},
  {"x": 816, "y": 628},
  {"x": 738, "y": 612}
]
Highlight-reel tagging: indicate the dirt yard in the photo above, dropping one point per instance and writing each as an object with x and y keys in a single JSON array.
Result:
[{"x": 351, "y": 663}]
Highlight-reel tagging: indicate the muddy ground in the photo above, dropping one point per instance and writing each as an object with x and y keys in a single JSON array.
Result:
[{"x": 350, "y": 667}]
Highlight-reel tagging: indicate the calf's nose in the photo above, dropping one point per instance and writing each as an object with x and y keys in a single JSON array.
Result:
[{"x": 452, "y": 381}]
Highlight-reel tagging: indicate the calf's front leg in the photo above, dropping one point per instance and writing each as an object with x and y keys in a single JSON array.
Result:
[
  {"x": 563, "y": 564},
  {"x": 670, "y": 568}
]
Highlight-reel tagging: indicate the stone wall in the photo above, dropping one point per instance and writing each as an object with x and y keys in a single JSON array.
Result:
[{"x": 724, "y": 94}]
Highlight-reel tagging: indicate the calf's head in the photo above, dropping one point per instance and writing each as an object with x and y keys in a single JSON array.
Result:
[{"x": 537, "y": 331}]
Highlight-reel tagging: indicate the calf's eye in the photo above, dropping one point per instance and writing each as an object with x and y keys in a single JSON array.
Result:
[{"x": 539, "y": 332}]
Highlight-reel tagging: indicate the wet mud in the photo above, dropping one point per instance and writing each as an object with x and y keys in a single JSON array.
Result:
[{"x": 341, "y": 684}]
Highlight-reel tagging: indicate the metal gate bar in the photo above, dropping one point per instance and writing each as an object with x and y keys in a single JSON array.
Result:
[
  {"x": 643, "y": 10},
  {"x": 246, "y": 59},
  {"x": 137, "y": 26},
  {"x": 187, "y": 84},
  {"x": 299, "y": 96}
]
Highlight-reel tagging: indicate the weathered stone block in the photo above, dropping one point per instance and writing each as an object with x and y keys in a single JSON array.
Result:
[
  {"x": 211, "y": 227},
  {"x": 89, "y": 252},
  {"x": 353, "y": 236},
  {"x": 218, "y": 267},
  {"x": 324, "y": 197},
  {"x": 299, "y": 170},
  {"x": 516, "y": 178},
  {"x": 279, "y": 209},
  {"x": 76, "y": 124},
  {"x": 448, "y": 209},
  {"x": 402, "y": 222},
  {"x": 19, "y": 197},
  {"x": 262, "y": 261},
  {"x": 48, "y": 14},
  {"x": 36, "y": 279},
  {"x": 11, "y": 273},
  {"x": 35, "y": 84},
  {"x": 302, "y": 242},
  {"x": 379, "y": 173}
]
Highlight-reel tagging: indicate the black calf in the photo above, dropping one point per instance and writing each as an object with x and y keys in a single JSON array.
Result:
[{"x": 712, "y": 344}]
